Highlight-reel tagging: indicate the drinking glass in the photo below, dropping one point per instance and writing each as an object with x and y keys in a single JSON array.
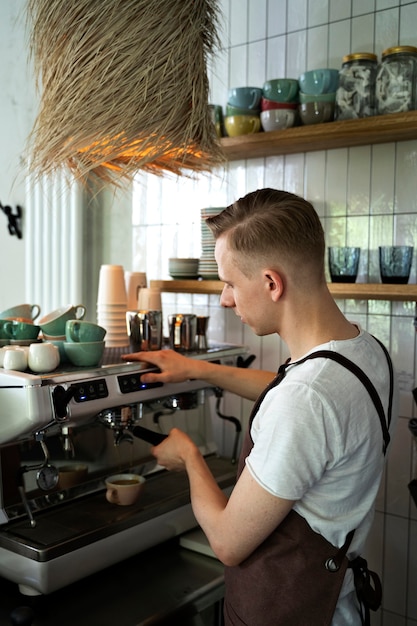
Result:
[
  {"x": 343, "y": 263},
  {"x": 395, "y": 264}
]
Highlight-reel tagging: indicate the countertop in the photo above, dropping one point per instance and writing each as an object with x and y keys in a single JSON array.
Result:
[{"x": 166, "y": 585}]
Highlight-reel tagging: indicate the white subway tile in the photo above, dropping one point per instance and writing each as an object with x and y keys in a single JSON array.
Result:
[
  {"x": 363, "y": 33},
  {"x": 360, "y": 7},
  {"x": 297, "y": 15},
  {"x": 277, "y": 17},
  {"x": 318, "y": 13},
  {"x": 317, "y": 47},
  {"x": 257, "y": 19}
]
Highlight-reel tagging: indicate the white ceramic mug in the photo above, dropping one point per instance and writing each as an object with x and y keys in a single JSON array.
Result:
[{"x": 43, "y": 357}]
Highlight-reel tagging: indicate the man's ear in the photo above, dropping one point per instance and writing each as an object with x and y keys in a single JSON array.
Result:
[{"x": 274, "y": 284}]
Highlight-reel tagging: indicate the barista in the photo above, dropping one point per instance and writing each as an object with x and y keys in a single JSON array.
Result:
[{"x": 312, "y": 460}]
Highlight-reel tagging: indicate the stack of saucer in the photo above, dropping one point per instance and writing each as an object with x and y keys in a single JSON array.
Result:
[
  {"x": 112, "y": 305},
  {"x": 208, "y": 266}
]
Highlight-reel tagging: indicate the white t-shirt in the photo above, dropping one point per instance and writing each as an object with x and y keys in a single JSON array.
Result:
[{"x": 318, "y": 440}]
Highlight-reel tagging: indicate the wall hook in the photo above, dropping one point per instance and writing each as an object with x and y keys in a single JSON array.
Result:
[{"x": 13, "y": 219}]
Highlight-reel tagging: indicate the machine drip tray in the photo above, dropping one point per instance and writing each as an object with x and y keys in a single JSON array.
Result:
[{"x": 75, "y": 524}]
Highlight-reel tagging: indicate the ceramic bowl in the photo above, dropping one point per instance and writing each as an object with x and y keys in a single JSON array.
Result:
[{"x": 86, "y": 354}]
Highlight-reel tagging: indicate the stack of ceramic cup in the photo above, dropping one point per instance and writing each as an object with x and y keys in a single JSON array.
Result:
[
  {"x": 242, "y": 111},
  {"x": 112, "y": 305},
  {"x": 318, "y": 95},
  {"x": 208, "y": 267},
  {"x": 279, "y": 104}
]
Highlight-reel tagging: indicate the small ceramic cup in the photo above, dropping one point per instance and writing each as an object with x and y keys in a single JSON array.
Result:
[
  {"x": 43, "y": 357},
  {"x": 316, "y": 112},
  {"x": 28, "y": 312},
  {"x": 245, "y": 97},
  {"x": 277, "y": 119},
  {"x": 20, "y": 330},
  {"x": 80, "y": 331},
  {"x": 281, "y": 89},
  {"x": 53, "y": 324},
  {"x": 14, "y": 358},
  {"x": 124, "y": 489},
  {"x": 319, "y": 81},
  {"x": 236, "y": 125}
]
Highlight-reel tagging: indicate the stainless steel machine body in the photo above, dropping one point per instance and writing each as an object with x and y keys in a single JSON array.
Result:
[{"x": 52, "y": 535}]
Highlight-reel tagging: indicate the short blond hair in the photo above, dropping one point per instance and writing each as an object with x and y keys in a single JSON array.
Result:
[{"x": 271, "y": 226}]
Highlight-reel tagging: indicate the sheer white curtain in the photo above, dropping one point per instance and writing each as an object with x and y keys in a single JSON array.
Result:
[{"x": 54, "y": 254}]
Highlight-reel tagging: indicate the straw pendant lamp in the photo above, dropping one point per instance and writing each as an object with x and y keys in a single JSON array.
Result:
[{"x": 123, "y": 87}]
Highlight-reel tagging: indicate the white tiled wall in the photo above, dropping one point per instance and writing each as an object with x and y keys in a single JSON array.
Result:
[{"x": 366, "y": 196}]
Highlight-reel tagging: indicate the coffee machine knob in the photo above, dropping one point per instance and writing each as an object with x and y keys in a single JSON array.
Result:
[{"x": 22, "y": 616}]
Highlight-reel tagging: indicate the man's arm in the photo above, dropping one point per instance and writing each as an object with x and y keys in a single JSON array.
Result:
[{"x": 175, "y": 368}]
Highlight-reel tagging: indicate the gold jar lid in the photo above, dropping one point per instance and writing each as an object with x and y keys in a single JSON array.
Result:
[
  {"x": 359, "y": 56},
  {"x": 399, "y": 50}
]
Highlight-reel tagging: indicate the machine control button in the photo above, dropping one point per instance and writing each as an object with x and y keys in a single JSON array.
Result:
[
  {"x": 132, "y": 382},
  {"x": 90, "y": 390}
]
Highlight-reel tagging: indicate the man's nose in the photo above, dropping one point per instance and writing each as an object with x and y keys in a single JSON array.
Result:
[{"x": 226, "y": 297}]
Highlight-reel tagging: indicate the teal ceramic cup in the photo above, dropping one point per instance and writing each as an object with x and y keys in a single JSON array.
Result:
[
  {"x": 281, "y": 89},
  {"x": 25, "y": 312},
  {"x": 87, "y": 354},
  {"x": 323, "y": 97},
  {"x": 319, "y": 81},
  {"x": 20, "y": 330},
  {"x": 3, "y": 335},
  {"x": 245, "y": 97},
  {"x": 79, "y": 331},
  {"x": 53, "y": 324}
]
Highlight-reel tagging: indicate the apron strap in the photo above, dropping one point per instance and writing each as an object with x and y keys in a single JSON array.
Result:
[{"x": 359, "y": 373}]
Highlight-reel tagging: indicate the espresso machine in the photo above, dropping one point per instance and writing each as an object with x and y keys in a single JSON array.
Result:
[{"x": 63, "y": 433}]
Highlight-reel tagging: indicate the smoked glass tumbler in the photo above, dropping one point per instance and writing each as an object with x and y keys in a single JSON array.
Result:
[{"x": 343, "y": 264}]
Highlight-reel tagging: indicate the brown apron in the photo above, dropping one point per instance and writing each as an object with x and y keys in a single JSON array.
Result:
[{"x": 295, "y": 576}]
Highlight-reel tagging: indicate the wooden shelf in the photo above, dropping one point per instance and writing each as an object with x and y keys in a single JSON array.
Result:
[
  {"x": 347, "y": 133},
  {"x": 342, "y": 291}
]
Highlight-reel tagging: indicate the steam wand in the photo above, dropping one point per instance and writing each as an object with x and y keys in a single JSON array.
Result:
[{"x": 47, "y": 476}]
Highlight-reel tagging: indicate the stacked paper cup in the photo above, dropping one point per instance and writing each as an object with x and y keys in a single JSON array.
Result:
[
  {"x": 112, "y": 305},
  {"x": 208, "y": 267}
]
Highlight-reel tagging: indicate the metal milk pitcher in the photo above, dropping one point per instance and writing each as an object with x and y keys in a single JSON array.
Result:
[
  {"x": 144, "y": 329},
  {"x": 182, "y": 331}
]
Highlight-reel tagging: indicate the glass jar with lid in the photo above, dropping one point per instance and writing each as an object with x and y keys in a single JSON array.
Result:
[
  {"x": 355, "y": 96},
  {"x": 396, "y": 81}
]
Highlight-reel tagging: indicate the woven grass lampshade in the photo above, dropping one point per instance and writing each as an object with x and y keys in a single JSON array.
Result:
[{"x": 123, "y": 87}]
